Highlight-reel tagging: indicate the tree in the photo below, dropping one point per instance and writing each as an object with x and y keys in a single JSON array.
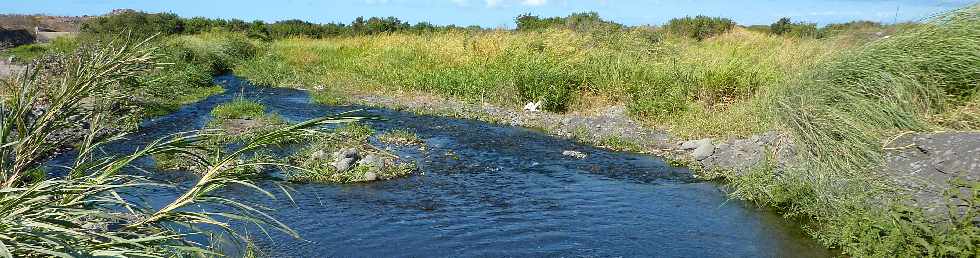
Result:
[{"x": 782, "y": 26}]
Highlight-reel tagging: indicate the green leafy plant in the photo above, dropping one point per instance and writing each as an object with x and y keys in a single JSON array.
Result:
[{"x": 88, "y": 212}]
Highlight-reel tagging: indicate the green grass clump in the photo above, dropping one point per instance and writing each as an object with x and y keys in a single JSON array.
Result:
[
  {"x": 238, "y": 109},
  {"x": 400, "y": 137},
  {"x": 25, "y": 53},
  {"x": 355, "y": 132},
  {"x": 840, "y": 114},
  {"x": 619, "y": 144},
  {"x": 328, "y": 97}
]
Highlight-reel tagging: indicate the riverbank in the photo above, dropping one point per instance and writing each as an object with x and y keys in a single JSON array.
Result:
[{"x": 924, "y": 162}]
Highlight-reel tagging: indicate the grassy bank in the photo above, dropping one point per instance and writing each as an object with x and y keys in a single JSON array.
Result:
[
  {"x": 187, "y": 64},
  {"x": 839, "y": 98},
  {"x": 663, "y": 79}
]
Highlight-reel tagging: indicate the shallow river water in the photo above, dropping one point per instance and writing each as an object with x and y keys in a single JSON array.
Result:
[{"x": 497, "y": 191}]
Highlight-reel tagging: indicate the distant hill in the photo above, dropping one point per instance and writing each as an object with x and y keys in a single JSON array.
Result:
[{"x": 46, "y": 23}]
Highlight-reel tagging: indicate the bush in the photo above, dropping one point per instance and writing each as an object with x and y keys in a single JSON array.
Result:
[
  {"x": 800, "y": 29},
  {"x": 582, "y": 22},
  {"x": 138, "y": 24},
  {"x": 191, "y": 62},
  {"x": 699, "y": 27}
]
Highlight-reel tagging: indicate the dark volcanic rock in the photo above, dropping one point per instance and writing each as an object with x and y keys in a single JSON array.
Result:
[{"x": 926, "y": 162}]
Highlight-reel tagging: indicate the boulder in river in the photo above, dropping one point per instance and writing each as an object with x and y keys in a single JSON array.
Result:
[
  {"x": 345, "y": 159},
  {"x": 343, "y": 165},
  {"x": 574, "y": 154},
  {"x": 352, "y": 153},
  {"x": 370, "y": 176},
  {"x": 374, "y": 161}
]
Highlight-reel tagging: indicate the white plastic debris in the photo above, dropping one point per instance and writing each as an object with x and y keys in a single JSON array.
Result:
[{"x": 533, "y": 106}]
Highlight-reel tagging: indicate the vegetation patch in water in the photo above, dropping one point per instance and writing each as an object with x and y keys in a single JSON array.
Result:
[
  {"x": 400, "y": 137},
  {"x": 237, "y": 123},
  {"x": 239, "y": 109},
  {"x": 345, "y": 156}
]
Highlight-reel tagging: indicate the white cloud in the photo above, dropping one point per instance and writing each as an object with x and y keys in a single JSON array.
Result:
[
  {"x": 534, "y": 2},
  {"x": 493, "y": 3}
]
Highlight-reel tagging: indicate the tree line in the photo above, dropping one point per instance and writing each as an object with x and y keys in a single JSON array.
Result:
[
  {"x": 145, "y": 24},
  {"x": 697, "y": 27}
]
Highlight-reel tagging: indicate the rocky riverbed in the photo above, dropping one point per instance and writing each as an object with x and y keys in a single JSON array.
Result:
[{"x": 922, "y": 162}]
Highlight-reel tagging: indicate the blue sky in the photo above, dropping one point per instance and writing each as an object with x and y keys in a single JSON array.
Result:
[{"x": 495, "y": 13}]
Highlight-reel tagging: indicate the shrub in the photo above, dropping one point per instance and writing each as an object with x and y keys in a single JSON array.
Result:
[
  {"x": 190, "y": 64},
  {"x": 786, "y": 27},
  {"x": 138, "y": 24},
  {"x": 699, "y": 27}
]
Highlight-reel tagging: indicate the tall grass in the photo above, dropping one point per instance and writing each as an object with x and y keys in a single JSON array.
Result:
[
  {"x": 188, "y": 65},
  {"x": 92, "y": 210},
  {"x": 839, "y": 116},
  {"x": 658, "y": 79}
]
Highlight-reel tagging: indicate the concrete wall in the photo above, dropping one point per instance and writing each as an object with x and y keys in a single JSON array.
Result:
[{"x": 44, "y": 37}]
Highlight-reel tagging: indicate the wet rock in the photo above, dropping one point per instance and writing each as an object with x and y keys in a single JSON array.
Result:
[
  {"x": 574, "y": 154},
  {"x": 374, "y": 161},
  {"x": 319, "y": 154},
  {"x": 370, "y": 176},
  {"x": 343, "y": 165},
  {"x": 705, "y": 150},
  {"x": 351, "y": 153},
  {"x": 345, "y": 159}
]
